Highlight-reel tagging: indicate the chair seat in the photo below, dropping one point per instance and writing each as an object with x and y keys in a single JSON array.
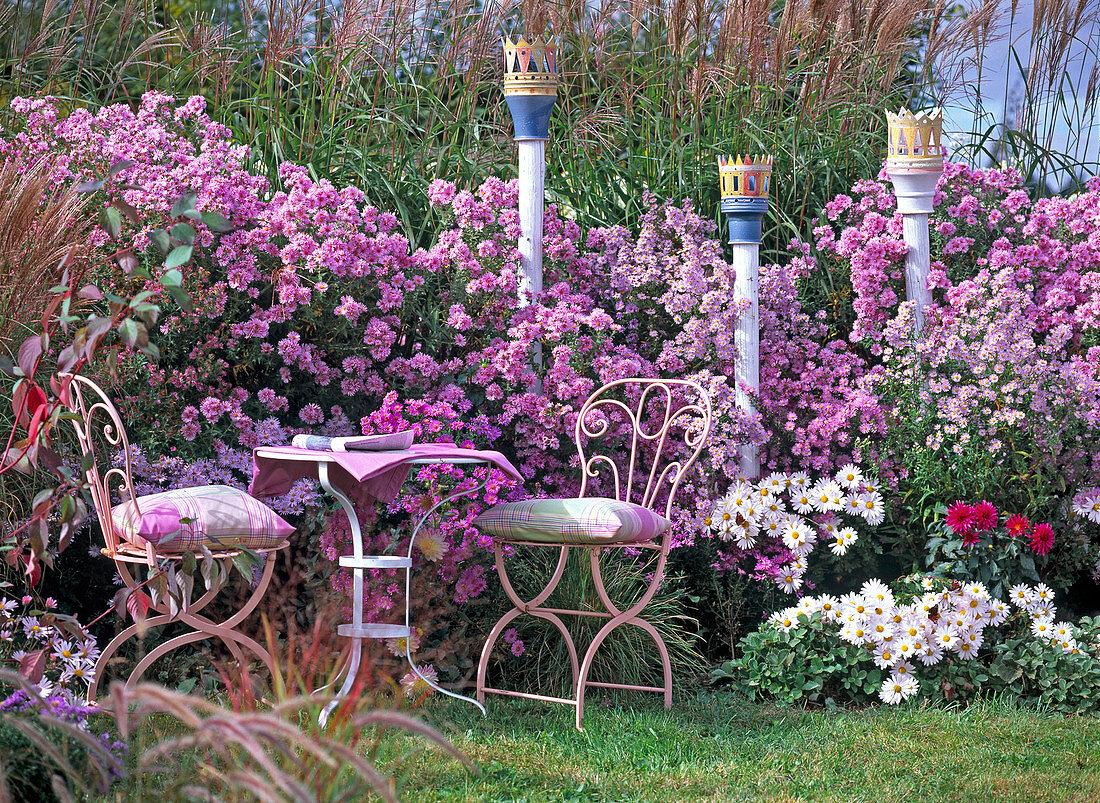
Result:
[
  {"x": 128, "y": 553},
  {"x": 218, "y": 517},
  {"x": 589, "y": 521}
]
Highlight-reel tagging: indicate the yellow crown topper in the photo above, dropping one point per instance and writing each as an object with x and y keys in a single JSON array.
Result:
[
  {"x": 530, "y": 68},
  {"x": 745, "y": 177},
  {"x": 915, "y": 139}
]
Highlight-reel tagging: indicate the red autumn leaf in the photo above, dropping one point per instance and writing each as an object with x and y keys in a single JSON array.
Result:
[
  {"x": 32, "y": 568},
  {"x": 138, "y": 605},
  {"x": 33, "y": 665}
]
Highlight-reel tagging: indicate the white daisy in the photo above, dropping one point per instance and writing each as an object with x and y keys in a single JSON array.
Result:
[
  {"x": 1021, "y": 595},
  {"x": 1042, "y": 629},
  {"x": 799, "y": 479},
  {"x": 884, "y": 655},
  {"x": 829, "y": 607},
  {"x": 776, "y": 481},
  {"x": 877, "y": 590},
  {"x": 874, "y": 509},
  {"x": 966, "y": 649},
  {"x": 802, "y": 502},
  {"x": 902, "y": 669},
  {"x": 849, "y": 476},
  {"x": 931, "y": 654},
  {"x": 945, "y": 638},
  {"x": 892, "y": 691},
  {"x": 790, "y": 581}
]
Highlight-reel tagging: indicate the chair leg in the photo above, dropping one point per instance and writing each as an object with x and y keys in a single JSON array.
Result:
[
  {"x": 525, "y": 607},
  {"x": 628, "y": 617},
  {"x": 201, "y": 627}
]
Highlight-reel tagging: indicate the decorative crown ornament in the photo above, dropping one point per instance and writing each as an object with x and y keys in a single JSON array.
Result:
[
  {"x": 530, "y": 68},
  {"x": 745, "y": 176},
  {"x": 915, "y": 140}
]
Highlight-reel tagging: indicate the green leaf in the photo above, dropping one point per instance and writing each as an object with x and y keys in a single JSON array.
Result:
[
  {"x": 118, "y": 168},
  {"x": 185, "y": 204},
  {"x": 216, "y": 222},
  {"x": 180, "y": 255},
  {"x": 182, "y": 298},
  {"x": 183, "y": 232},
  {"x": 128, "y": 331},
  {"x": 171, "y": 278},
  {"x": 159, "y": 238},
  {"x": 110, "y": 221}
]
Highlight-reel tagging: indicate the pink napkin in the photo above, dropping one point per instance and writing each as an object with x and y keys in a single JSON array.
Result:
[{"x": 364, "y": 476}]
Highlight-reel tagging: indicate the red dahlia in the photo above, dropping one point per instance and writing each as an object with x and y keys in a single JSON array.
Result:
[
  {"x": 959, "y": 517},
  {"x": 983, "y": 517},
  {"x": 1017, "y": 525},
  {"x": 1042, "y": 539}
]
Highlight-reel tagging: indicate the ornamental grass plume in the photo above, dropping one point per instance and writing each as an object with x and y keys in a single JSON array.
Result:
[{"x": 44, "y": 230}]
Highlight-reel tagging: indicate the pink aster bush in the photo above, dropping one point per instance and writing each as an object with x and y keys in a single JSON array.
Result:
[
  {"x": 314, "y": 314},
  {"x": 999, "y": 398}
]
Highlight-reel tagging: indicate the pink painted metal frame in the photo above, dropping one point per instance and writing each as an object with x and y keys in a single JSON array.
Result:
[
  {"x": 98, "y": 420},
  {"x": 696, "y": 414}
]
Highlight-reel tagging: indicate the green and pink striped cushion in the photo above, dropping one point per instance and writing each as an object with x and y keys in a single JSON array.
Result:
[
  {"x": 216, "y": 516},
  {"x": 572, "y": 521}
]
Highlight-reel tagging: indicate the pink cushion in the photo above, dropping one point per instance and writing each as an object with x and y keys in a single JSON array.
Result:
[
  {"x": 216, "y": 516},
  {"x": 594, "y": 520}
]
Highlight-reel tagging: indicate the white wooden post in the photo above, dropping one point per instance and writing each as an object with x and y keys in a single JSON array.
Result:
[
  {"x": 914, "y": 164},
  {"x": 532, "y": 173},
  {"x": 745, "y": 183},
  {"x": 746, "y": 284}
]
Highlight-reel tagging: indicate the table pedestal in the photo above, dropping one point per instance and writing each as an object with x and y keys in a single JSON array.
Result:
[{"x": 357, "y": 629}]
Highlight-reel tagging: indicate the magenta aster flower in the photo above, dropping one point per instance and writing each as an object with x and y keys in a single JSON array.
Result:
[{"x": 1017, "y": 525}]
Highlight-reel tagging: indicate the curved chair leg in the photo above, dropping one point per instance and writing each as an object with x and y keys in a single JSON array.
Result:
[
  {"x": 113, "y": 646},
  {"x": 628, "y": 617},
  {"x": 520, "y": 607},
  {"x": 202, "y": 628}
]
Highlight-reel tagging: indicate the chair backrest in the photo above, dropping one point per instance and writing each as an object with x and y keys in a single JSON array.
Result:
[
  {"x": 100, "y": 431},
  {"x": 646, "y": 434}
]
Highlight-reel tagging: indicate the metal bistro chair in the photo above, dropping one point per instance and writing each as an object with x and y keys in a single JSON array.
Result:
[
  {"x": 632, "y": 421},
  {"x": 217, "y": 518}
]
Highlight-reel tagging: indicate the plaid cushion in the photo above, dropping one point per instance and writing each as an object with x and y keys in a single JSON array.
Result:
[
  {"x": 572, "y": 521},
  {"x": 215, "y": 515}
]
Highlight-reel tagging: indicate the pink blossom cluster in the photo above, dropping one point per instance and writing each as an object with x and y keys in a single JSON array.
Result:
[{"x": 315, "y": 314}]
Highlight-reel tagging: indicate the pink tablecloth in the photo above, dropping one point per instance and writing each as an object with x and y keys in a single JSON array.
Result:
[{"x": 365, "y": 476}]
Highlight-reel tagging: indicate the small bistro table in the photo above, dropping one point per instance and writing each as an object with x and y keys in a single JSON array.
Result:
[{"x": 368, "y": 476}]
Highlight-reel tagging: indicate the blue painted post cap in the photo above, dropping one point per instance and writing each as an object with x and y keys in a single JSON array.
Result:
[{"x": 531, "y": 115}]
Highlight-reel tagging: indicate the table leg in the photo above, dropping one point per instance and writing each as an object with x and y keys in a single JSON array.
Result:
[
  {"x": 359, "y": 563},
  {"x": 408, "y": 594},
  {"x": 356, "y": 655}
]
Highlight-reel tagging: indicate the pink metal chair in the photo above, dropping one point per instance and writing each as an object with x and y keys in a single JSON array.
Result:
[
  {"x": 620, "y": 428},
  {"x": 101, "y": 434}
]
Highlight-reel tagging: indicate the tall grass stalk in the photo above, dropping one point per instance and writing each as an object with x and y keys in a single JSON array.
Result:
[
  {"x": 1047, "y": 125},
  {"x": 391, "y": 95}
]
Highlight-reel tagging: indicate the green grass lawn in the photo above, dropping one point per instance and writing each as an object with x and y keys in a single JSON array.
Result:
[{"x": 713, "y": 746}]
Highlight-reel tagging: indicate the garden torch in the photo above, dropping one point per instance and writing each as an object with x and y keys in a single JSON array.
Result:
[
  {"x": 745, "y": 182},
  {"x": 531, "y": 88},
  {"x": 914, "y": 164}
]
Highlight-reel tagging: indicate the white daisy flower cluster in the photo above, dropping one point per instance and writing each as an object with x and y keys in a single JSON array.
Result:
[
  {"x": 777, "y": 506},
  {"x": 1038, "y": 603},
  {"x": 1086, "y": 504},
  {"x": 69, "y": 662},
  {"x": 898, "y": 636}
]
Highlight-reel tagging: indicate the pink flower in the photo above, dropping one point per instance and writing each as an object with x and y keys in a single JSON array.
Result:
[
  {"x": 983, "y": 517},
  {"x": 1042, "y": 539},
  {"x": 960, "y": 518},
  {"x": 1017, "y": 525}
]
